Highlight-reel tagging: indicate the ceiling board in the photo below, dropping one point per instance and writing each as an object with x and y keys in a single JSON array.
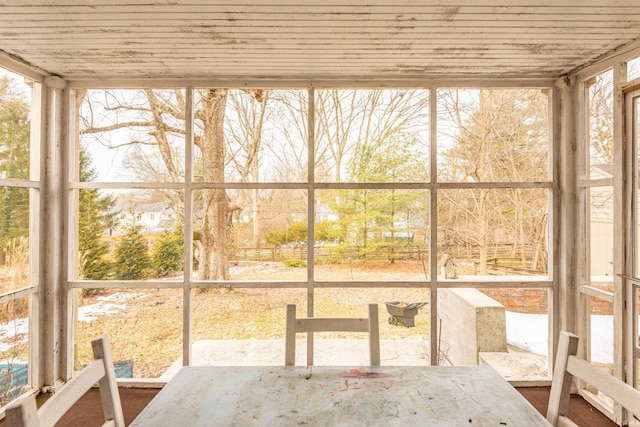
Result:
[{"x": 294, "y": 39}]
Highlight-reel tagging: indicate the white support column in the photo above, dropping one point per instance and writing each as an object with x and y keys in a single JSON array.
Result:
[
  {"x": 36, "y": 320},
  {"x": 565, "y": 287},
  {"x": 583, "y": 219},
  {"x": 54, "y": 296},
  {"x": 70, "y": 171},
  {"x": 187, "y": 226},
  {"x": 624, "y": 229},
  {"x": 434, "y": 323},
  {"x": 311, "y": 179}
]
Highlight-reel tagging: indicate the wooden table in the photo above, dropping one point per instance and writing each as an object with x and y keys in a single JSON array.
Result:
[{"x": 334, "y": 396}]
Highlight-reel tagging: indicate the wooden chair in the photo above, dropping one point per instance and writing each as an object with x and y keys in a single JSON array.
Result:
[
  {"x": 331, "y": 324},
  {"x": 23, "y": 411},
  {"x": 567, "y": 366}
]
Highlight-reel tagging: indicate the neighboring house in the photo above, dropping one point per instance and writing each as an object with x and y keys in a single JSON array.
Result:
[
  {"x": 324, "y": 213},
  {"x": 153, "y": 218},
  {"x": 601, "y": 220}
]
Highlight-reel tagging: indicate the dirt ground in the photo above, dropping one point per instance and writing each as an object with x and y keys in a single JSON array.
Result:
[{"x": 145, "y": 325}]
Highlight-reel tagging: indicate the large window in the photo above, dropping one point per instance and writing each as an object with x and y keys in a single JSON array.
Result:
[
  {"x": 249, "y": 199},
  {"x": 596, "y": 237},
  {"x": 18, "y": 195}
]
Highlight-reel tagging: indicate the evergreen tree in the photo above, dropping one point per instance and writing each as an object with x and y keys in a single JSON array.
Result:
[
  {"x": 14, "y": 161},
  {"x": 94, "y": 219},
  {"x": 168, "y": 252},
  {"x": 132, "y": 257},
  {"x": 367, "y": 215}
]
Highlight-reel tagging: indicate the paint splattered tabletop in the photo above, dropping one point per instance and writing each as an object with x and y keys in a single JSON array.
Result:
[{"x": 339, "y": 396}]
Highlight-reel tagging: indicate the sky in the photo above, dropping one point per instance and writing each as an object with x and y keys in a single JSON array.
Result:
[{"x": 26, "y": 89}]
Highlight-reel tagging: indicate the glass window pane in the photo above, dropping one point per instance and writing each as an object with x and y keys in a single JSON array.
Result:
[
  {"x": 633, "y": 69},
  {"x": 372, "y": 135},
  {"x": 14, "y": 349},
  {"x": 600, "y": 131},
  {"x": 15, "y": 251},
  {"x": 14, "y": 238},
  {"x": 235, "y": 227},
  {"x": 370, "y": 234},
  {"x": 493, "y": 135},
  {"x": 132, "y": 135},
  {"x": 242, "y": 326},
  {"x": 494, "y": 232},
  {"x": 250, "y": 135},
  {"x": 601, "y": 338},
  {"x": 144, "y": 328},
  {"x": 403, "y": 331},
  {"x": 130, "y": 235},
  {"x": 601, "y": 232},
  {"x": 15, "y": 126}
]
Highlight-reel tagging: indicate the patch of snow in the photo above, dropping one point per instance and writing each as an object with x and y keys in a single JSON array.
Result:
[
  {"x": 530, "y": 332},
  {"x": 12, "y": 329},
  {"x": 262, "y": 267},
  {"x": 106, "y": 305},
  {"x": 237, "y": 270}
]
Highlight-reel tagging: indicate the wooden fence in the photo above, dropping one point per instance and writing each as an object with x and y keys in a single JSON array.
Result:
[
  {"x": 504, "y": 264},
  {"x": 332, "y": 253}
]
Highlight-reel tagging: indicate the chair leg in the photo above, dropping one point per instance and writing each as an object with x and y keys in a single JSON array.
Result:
[
  {"x": 290, "y": 336},
  {"x": 561, "y": 381},
  {"x": 374, "y": 336},
  {"x": 109, "y": 394}
]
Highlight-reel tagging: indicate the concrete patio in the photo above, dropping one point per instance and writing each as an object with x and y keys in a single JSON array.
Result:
[{"x": 514, "y": 365}]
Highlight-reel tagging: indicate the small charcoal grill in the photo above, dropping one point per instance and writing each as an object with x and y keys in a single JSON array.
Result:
[{"x": 403, "y": 313}]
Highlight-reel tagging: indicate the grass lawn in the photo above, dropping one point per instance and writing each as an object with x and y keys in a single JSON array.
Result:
[{"x": 145, "y": 325}]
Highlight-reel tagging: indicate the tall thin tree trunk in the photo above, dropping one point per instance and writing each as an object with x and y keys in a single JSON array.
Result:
[
  {"x": 484, "y": 229},
  {"x": 255, "y": 207},
  {"x": 217, "y": 210}
]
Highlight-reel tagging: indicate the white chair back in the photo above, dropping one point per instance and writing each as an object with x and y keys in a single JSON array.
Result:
[
  {"x": 331, "y": 324},
  {"x": 23, "y": 412},
  {"x": 568, "y": 366}
]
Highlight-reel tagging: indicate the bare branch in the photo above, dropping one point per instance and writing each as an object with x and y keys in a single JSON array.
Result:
[{"x": 115, "y": 126}]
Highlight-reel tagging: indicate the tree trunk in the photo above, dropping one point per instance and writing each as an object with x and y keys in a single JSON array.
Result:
[
  {"x": 483, "y": 245},
  {"x": 483, "y": 216},
  {"x": 255, "y": 208},
  {"x": 216, "y": 222}
]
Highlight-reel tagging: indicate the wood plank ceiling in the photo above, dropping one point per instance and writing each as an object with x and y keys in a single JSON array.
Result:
[{"x": 299, "y": 40}]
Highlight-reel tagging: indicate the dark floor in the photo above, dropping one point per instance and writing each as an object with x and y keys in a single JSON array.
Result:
[
  {"x": 580, "y": 412},
  {"x": 88, "y": 411}
]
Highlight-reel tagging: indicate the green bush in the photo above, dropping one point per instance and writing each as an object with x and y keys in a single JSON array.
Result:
[
  {"x": 296, "y": 233},
  {"x": 167, "y": 253},
  {"x": 295, "y": 263},
  {"x": 132, "y": 260}
]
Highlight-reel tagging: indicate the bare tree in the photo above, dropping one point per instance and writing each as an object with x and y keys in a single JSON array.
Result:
[
  {"x": 494, "y": 136},
  {"x": 158, "y": 116},
  {"x": 245, "y": 138},
  {"x": 601, "y": 119},
  {"x": 349, "y": 120}
]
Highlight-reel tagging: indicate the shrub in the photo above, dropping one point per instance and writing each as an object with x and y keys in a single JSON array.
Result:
[
  {"x": 167, "y": 254},
  {"x": 131, "y": 256},
  {"x": 295, "y": 263}
]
